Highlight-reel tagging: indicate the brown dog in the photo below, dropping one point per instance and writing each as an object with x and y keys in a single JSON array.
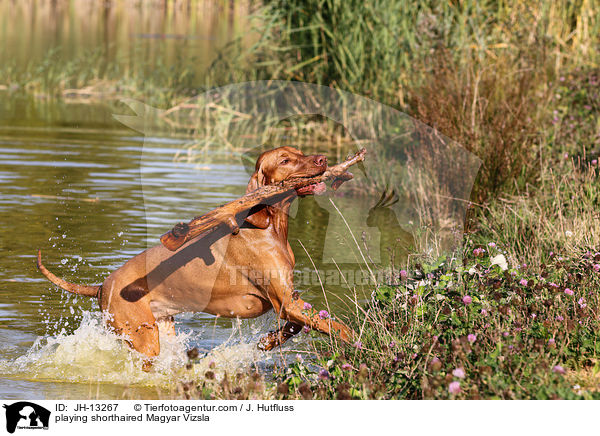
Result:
[{"x": 243, "y": 275}]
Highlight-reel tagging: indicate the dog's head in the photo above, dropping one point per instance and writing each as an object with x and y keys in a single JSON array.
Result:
[{"x": 280, "y": 164}]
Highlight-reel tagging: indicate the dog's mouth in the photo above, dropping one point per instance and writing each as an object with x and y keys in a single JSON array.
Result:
[{"x": 315, "y": 189}]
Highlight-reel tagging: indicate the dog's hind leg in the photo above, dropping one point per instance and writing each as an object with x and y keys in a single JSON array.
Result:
[{"x": 140, "y": 330}]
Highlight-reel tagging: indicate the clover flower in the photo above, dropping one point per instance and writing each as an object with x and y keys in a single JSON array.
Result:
[
  {"x": 500, "y": 260},
  {"x": 559, "y": 370},
  {"x": 472, "y": 337},
  {"x": 478, "y": 251},
  {"x": 523, "y": 282},
  {"x": 459, "y": 373},
  {"x": 454, "y": 387},
  {"x": 307, "y": 306},
  {"x": 323, "y": 314},
  {"x": 467, "y": 300},
  {"x": 569, "y": 291},
  {"x": 324, "y": 374}
]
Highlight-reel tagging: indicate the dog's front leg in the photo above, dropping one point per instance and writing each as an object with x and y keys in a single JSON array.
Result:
[
  {"x": 297, "y": 312},
  {"x": 293, "y": 309},
  {"x": 279, "y": 337}
]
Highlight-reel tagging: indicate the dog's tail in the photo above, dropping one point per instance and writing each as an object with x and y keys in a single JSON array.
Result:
[{"x": 88, "y": 291}]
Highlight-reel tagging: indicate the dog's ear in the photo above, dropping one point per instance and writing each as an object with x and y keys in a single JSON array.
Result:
[
  {"x": 256, "y": 181},
  {"x": 262, "y": 218}
]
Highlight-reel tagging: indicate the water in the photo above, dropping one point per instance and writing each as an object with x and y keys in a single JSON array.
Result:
[{"x": 126, "y": 34}]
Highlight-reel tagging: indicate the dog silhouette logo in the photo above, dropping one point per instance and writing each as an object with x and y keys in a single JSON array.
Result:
[{"x": 26, "y": 415}]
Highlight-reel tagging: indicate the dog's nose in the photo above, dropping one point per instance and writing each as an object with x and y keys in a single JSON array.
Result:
[{"x": 320, "y": 160}]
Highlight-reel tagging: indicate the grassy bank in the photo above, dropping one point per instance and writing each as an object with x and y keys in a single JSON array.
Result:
[{"x": 473, "y": 331}]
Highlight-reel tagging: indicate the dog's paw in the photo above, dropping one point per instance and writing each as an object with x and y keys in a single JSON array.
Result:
[
  {"x": 268, "y": 342},
  {"x": 147, "y": 365}
]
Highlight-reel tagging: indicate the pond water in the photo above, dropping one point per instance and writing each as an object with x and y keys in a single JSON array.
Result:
[
  {"x": 125, "y": 35},
  {"x": 71, "y": 186}
]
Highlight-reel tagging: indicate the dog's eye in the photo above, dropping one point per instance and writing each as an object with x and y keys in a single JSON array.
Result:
[{"x": 284, "y": 161}]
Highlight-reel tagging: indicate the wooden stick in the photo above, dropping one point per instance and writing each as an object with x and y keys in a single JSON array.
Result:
[{"x": 270, "y": 194}]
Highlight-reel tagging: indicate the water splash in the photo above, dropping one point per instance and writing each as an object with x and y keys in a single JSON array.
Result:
[{"x": 93, "y": 354}]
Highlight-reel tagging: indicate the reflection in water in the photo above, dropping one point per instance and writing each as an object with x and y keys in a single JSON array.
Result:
[
  {"x": 125, "y": 35},
  {"x": 394, "y": 242}
]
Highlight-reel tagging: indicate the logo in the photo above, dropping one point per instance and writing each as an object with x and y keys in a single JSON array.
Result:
[{"x": 26, "y": 415}]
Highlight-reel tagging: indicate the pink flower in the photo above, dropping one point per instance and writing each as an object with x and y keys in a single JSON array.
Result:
[
  {"x": 560, "y": 318},
  {"x": 551, "y": 341},
  {"x": 523, "y": 282},
  {"x": 597, "y": 267},
  {"x": 346, "y": 367},
  {"x": 505, "y": 334},
  {"x": 324, "y": 374},
  {"x": 492, "y": 245},
  {"x": 459, "y": 373},
  {"x": 471, "y": 337},
  {"x": 569, "y": 291},
  {"x": 454, "y": 387},
  {"x": 323, "y": 314},
  {"x": 552, "y": 284},
  {"x": 467, "y": 299},
  {"x": 403, "y": 274},
  {"x": 306, "y": 329},
  {"x": 559, "y": 370},
  {"x": 307, "y": 306},
  {"x": 582, "y": 303},
  {"x": 478, "y": 252},
  {"x": 358, "y": 345},
  {"x": 484, "y": 312}
]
